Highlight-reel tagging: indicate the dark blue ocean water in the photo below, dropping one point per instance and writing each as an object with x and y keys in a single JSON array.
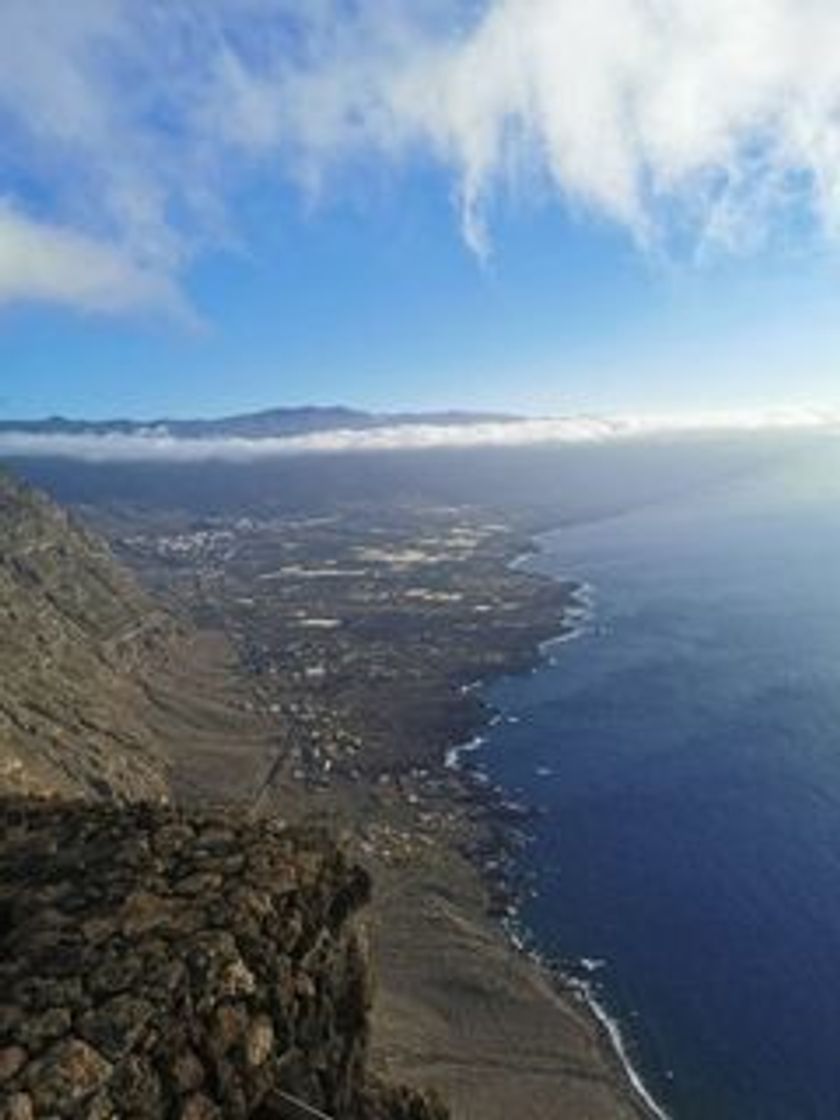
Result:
[{"x": 686, "y": 751}]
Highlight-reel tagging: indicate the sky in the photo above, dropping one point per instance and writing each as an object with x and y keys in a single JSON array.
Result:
[{"x": 538, "y": 206}]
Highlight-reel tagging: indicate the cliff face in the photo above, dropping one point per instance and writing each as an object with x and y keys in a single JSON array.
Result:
[
  {"x": 74, "y": 634},
  {"x": 162, "y": 965},
  {"x": 104, "y": 695}
]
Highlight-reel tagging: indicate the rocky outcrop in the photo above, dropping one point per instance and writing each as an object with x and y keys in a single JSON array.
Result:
[{"x": 162, "y": 965}]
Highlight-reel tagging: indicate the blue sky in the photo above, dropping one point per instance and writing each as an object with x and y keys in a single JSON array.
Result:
[{"x": 224, "y": 206}]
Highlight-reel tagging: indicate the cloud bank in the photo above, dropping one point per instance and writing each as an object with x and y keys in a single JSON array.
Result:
[
  {"x": 128, "y": 128},
  {"x": 157, "y": 445}
]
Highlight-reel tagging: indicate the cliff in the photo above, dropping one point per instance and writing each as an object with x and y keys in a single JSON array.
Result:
[
  {"x": 75, "y": 629},
  {"x": 156, "y": 964},
  {"x": 103, "y": 694}
]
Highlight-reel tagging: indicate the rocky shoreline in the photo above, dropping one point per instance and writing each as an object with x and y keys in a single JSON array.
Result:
[{"x": 499, "y": 828}]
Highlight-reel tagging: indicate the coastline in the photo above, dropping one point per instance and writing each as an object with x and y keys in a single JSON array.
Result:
[
  {"x": 615, "y": 1039},
  {"x": 580, "y": 609},
  {"x": 465, "y": 1006}
]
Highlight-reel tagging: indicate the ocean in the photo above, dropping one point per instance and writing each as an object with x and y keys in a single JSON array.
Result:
[{"x": 684, "y": 751}]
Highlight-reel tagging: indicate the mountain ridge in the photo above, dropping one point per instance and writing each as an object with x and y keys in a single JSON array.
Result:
[{"x": 265, "y": 423}]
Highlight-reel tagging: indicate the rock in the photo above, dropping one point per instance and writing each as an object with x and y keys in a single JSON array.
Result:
[
  {"x": 37, "y": 993},
  {"x": 284, "y": 982},
  {"x": 67, "y": 1074},
  {"x": 37, "y": 1030},
  {"x": 187, "y": 1072},
  {"x": 58, "y": 957},
  {"x": 288, "y": 929},
  {"x": 10, "y": 1016},
  {"x": 237, "y": 979},
  {"x": 137, "y": 1088},
  {"x": 99, "y": 929},
  {"x": 162, "y": 976},
  {"x": 215, "y": 840},
  {"x": 199, "y": 883},
  {"x": 229, "y": 1025},
  {"x": 232, "y": 865},
  {"x": 258, "y": 904},
  {"x": 305, "y": 986},
  {"x": 354, "y": 894},
  {"x": 259, "y": 1041},
  {"x": 117, "y": 973},
  {"x": 17, "y": 1107},
  {"x": 101, "y": 1107},
  {"x": 116, "y": 1026},
  {"x": 12, "y": 1058},
  {"x": 199, "y": 1107},
  {"x": 172, "y": 838},
  {"x": 143, "y": 912}
]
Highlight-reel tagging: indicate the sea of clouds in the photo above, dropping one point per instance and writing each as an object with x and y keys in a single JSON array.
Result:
[{"x": 157, "y": 444}]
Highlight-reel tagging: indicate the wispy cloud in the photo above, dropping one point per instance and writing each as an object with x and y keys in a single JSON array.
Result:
[
  {"x": 126, "y": 128},
  {"x": 157, "y": 445}
]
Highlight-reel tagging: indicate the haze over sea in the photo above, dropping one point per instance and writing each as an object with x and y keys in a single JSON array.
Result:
[{"x": 686, "y": 751}]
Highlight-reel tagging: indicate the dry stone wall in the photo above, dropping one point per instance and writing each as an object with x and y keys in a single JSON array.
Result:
[{"x": 156, "y": 964}]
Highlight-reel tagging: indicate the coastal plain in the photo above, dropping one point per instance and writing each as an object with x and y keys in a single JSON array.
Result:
[{"x": 358, "y": 637}]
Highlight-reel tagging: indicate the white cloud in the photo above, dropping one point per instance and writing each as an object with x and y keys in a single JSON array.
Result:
[
  {"x": 697, "y": 120},
  {"x": 157, "y": 445},
  {"x": 704, "y": 124},
  {"x": 60, "y": 266}
]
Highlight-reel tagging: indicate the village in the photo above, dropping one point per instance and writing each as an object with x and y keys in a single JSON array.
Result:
[
  {"x": 365, "y": 634},
  {"x": 363, "y": 630}
]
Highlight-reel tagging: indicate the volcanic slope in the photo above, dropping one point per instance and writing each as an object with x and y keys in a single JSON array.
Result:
[{"x": 102, "y": 693}]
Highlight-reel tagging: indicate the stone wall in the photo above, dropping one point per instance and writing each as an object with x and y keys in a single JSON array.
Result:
[{"x": 156, "y": 964}]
